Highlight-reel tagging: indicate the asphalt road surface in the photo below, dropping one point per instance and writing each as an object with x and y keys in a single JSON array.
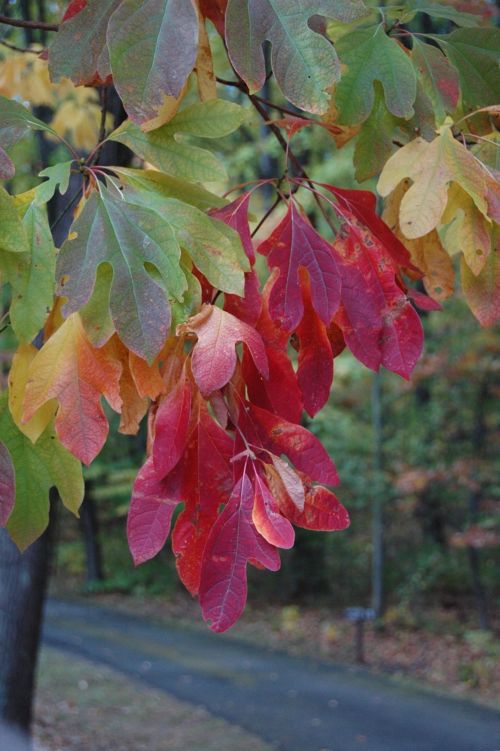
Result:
[{"x": 297, "y": 704}]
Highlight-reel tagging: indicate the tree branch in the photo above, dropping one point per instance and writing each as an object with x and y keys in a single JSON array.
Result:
[
  {"x": 18, "y": 49},
  {"x": 21, "y": 24},
  {"x": 286, "y": 148}
]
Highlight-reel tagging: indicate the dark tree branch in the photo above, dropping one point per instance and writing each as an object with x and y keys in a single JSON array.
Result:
[
  {"x": 286, "y": 148},
  {"x": 18, "y": 49},
  {"x": 22, "y": 24}
]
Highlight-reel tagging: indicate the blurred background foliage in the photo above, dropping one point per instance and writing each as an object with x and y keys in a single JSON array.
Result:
[{"x": 439, "y": 482}]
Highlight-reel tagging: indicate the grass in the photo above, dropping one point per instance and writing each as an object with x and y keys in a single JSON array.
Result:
[{"x": 82, "y": 706}]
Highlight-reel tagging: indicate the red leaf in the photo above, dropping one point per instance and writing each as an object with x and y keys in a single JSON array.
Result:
[
  {"x": 280, "y": 392},
  {"x": 292, "y": 246},
  {"x": 424, "y": 302},
  {"x": 232, "y": 543},
  {"x": 362, "y": 204},
  {"x": 73, "y": 8},
  {"x": 379, "y": 324},
  {"x": 7, "y": 485},
  {"x": 171, "y": 428},
  {"x": 291, "y": 482},
  {"x": 214, "y": 354},
  {"x": 267, "y": 518},
  {"x": 235, "y": 215},
  {"x": 315, "y": 371},
  {"x": 322, "y": 511},
  {"x": 248, "y": 307},
  {"x": 150, "y": 515},
  {"x": 215, "y": 11},
  {"x": 302, "y": 447},
  {"x": 205, "y": 479}
]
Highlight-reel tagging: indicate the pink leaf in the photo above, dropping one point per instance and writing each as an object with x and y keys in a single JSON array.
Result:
[
  {"x": 267, "y": 518},
  {"x": 150, "y": 515},
  {"x": 214, "y": 354}
]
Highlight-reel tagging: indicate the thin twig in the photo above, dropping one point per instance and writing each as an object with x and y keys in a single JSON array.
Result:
[
  {"x": 19, "y": 49},
  {"x": 267, "y": 214},
  {"x": 292, "y": 157},
  {"x": 96, "y": 153},
  {"x": 20, "y": 23}
]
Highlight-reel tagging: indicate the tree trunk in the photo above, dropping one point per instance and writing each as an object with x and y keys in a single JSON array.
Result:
[
  {"x": 377, "y": 509},
  {"x": 23, "y": 578},
  {"x": 90, "y": 531},
  {"x": 478, "y": 443},
  {"x": 23, "y": 581}
]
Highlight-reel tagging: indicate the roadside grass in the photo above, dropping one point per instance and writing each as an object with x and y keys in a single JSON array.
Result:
[{"x": 84, "y": 707}]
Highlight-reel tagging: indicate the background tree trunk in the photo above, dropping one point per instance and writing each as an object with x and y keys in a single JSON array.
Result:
[{"x": 23, "y": 582}]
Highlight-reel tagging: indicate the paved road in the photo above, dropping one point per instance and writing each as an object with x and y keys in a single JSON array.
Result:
[{"x": 298, "y": 704}]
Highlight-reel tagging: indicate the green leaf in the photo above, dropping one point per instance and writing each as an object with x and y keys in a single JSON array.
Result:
[
  {"x": 13, "y": 237},
  {"x": 304, "y": 62},
  {"x": 153, "y": 46},
  {"x": 95, "y": 315},
  {"x": 127, "y": 237},
  {"x": 79, "y": 50},
  {"x": 38, "y": 467},
  {"x": 58, "y": 177},
  {"x": 438, "y": 77},
  {"x": 436, "y": 10},
  {"x": 15, "y": 120},
  {"x": 161, "y": 147},
  {"x": 474, "y": 53},
  {"x": 370, "y": 55},
  {"x": 215, "y": 248},
  {"x": 374, "y": 144},
  {"x": 167, "y": 186},
  {"x": 31, "y": 275}
]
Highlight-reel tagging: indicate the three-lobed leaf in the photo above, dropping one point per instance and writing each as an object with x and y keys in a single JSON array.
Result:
[{"x": 304, "y": 61}]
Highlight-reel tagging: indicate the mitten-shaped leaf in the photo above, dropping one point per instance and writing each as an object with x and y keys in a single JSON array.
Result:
[
  {"x": 214, "y": 354},
  {"x": 304, "y": 62}
]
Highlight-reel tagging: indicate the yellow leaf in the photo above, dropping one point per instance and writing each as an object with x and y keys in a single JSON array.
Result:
[
  {"x": 482, "y": 292},
  {"x": 426, "y": 252},
  {"x": 467, "y": 230},
  {"x": 18, "y": 378},
  {"x": 207, "y": 87},
  {"x": 432, "y": 167}
]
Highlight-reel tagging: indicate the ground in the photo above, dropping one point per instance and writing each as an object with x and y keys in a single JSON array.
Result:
[
  {"x": 451, "y": 657},
  {"x": 82, "y": 707}
]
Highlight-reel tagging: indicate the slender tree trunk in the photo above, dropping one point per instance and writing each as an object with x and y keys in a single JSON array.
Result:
[
  {"x": 377, "y": 510},
  {"x": 23, "y": 578},
  {"x": 90, "y": 530},
  {"x": 23, "y": 581},
  {"x": 478, "y": 443}
]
